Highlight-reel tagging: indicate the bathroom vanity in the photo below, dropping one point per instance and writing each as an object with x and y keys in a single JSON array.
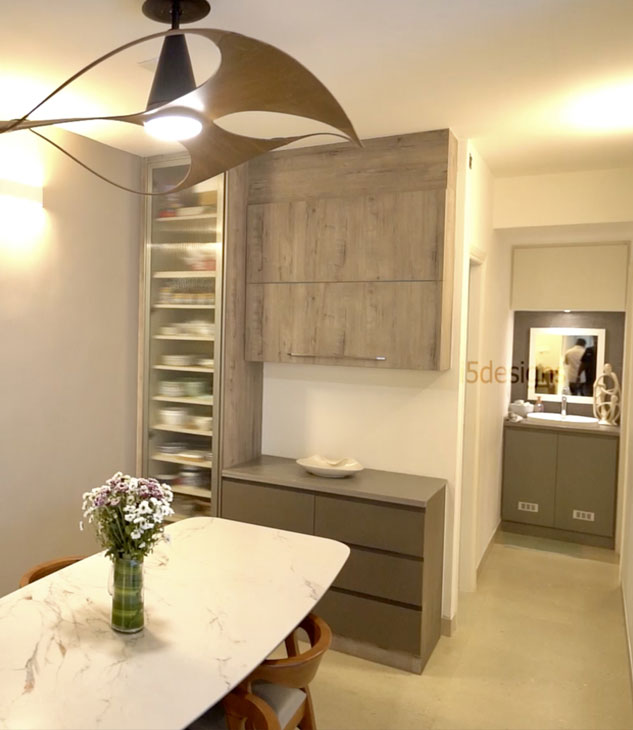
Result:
[{"x": 560, "y": 480}]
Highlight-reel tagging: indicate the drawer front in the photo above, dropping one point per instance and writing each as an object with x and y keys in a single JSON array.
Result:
[
  {"x": 381, "y": 624},
  {"x": 370, "y": 524},
  {"x": 529, "y": 476},
  {"x": 283, "y": 509},
  {"x": 384, "y": 576},
  {"x": 586, "y": 485}
]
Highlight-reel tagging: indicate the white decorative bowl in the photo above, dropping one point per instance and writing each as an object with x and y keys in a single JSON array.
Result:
[{"x": 322, "y": 466}]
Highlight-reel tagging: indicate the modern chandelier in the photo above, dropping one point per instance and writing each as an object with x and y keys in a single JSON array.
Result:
[{"x": 252, "y": 76}]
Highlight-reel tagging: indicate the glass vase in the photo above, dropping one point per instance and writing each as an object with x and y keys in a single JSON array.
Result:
[{"x": 127, "y": 595}]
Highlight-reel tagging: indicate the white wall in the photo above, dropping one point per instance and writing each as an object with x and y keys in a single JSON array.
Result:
[
  {"x": 626, "y": 482},
  {"x": 591, "y": 196},
  {"x": 68, "y": 321},
  {"x": 490, "y": 346},
  {"x": 387, "y": 419}
]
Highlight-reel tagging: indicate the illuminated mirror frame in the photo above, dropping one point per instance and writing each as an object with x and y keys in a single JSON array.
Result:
[{"x": 599, "y": 334}]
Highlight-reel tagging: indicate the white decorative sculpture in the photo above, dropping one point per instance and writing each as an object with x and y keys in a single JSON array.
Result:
[{"x": 606, "y": 400}]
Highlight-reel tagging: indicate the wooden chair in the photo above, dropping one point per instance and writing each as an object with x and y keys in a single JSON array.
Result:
[
  {"x": 44, "y": 569},
  {"x": 284, "y": 683},
  {"x": 238, "y": 711}
]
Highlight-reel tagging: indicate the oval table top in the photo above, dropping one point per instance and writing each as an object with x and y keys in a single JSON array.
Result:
[{"x": 219, "y": 597}]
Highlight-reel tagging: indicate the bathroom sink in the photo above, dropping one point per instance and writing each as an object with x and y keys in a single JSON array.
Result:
[{"x": 557, "y": 417}]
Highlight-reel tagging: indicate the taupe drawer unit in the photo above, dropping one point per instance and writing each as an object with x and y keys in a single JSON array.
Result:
[
  {"x": 561, "y": 483},
  {"x": 386, "y": 602}
]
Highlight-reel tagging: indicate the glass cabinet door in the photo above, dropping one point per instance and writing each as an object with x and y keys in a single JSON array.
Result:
[{"x": 183, "y": 264}]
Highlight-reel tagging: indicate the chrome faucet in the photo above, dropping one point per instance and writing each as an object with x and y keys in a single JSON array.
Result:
[{"x": 563, "y": 403}]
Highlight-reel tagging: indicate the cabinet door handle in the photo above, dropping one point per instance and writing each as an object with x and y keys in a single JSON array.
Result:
[{"x": 337, "y": 357}]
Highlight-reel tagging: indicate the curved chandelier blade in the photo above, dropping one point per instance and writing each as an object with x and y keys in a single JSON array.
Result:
[{"x": 252, "y": 76}]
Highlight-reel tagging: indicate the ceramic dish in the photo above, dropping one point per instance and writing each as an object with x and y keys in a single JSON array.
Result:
[
  {"x": 322, "y": 466},
  {"x": 203, "y": 423},
  {"x": 173, "y": 416},
  {"x": 178, "y": 360}
]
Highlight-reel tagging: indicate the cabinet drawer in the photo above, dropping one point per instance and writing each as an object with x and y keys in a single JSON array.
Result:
[
  {"x": 384, "y": 576},
  {"x": 529, "y": 476},
  {"x": 587, "y": 473},
  {"x": 374, "y": 622},
  {"x": 283, "y": 509},
  {"x": 356, "y": 324},
  {"x": 370, "y": 524}
]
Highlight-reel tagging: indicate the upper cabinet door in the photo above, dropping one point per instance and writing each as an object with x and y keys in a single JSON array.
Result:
[
  {"x": 383, "y": 237},
  {"x": 328, "y": 222},
  {"x": 380, "y": 324}
]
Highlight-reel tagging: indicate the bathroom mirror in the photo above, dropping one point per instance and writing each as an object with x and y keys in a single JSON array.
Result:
[{"x": 565, "y": 360}]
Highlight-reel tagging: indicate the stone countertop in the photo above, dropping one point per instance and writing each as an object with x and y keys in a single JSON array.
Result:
[
  {"x": 589, "y": 428},
  {"x": 380, "y": 486},
  {"x": 219, "y": 597}
]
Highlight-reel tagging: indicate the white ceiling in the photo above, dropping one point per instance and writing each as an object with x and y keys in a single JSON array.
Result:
[{"x": 506, "y": 73}]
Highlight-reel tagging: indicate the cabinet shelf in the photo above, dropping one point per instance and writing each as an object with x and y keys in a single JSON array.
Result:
[
  {"x": 184, "y": 306},
  {"x": 184, "y": 338},
  {"x": 185, "y": 368},
  {"x": 206, "y": 274},
  {"x": 173, "y": 218},
  {"x": 175, "y": 459},
  {"x": 203, "y": 401},
  {"x": 180, "y": 429},
  {"x": 199, "y": 492}
]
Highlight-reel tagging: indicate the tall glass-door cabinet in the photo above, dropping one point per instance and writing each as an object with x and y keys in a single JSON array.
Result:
[{"x": 180, "y": 334}]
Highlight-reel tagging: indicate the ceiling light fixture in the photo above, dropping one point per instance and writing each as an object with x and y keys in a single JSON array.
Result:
[
  {"x": 252, "y": 76},
  {"x": 174, "y": 75}
]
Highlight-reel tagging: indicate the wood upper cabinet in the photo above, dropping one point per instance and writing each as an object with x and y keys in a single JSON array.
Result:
[{"x": 349, "y": 253}]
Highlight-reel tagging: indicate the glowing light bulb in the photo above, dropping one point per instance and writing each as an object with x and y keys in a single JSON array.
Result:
[{"x": 173, "y": 127}]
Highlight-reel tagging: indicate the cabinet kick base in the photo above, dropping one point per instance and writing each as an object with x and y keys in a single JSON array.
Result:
[
  {"x": 396, "y": 659},
  {"x": 555, "y": 534}
]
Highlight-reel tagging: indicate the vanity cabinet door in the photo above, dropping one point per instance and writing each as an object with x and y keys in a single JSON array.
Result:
[
  {"x": 586, "y": 484},
  {"x": 529, "y": 477}
]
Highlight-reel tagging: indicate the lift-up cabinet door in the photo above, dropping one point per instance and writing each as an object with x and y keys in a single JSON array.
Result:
[
  {"x": 345, "y": 323},
  {"x": 586, "y": 483}
]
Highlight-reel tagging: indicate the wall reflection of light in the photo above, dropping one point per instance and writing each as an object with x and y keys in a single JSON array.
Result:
[
  {"x": 22, "y": 224},
  {"x": 604, "y": 109},
  {"x": 22, "y": 217}
]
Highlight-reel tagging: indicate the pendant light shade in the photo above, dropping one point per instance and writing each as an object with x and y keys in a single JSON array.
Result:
[{"x": 174, "y": 73}]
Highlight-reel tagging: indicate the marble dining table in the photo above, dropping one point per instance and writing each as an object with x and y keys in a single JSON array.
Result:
[{"x": 219, "y": 597}]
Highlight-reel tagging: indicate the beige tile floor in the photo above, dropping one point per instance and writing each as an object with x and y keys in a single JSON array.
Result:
[{"x": 539, "y": 646}]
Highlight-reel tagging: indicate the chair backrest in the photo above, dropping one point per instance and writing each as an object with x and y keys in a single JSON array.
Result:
[
  {"x": 44, "y": 569},
  {"x": 298, "y": 669}
]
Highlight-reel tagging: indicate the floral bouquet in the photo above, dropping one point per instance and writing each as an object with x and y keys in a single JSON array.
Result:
[{"x": 128, "y": 514}]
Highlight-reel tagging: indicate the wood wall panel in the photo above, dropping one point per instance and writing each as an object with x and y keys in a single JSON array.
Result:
[
  {"x": 242, "y": 381},
  {"x": 406, "y": 162}
]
